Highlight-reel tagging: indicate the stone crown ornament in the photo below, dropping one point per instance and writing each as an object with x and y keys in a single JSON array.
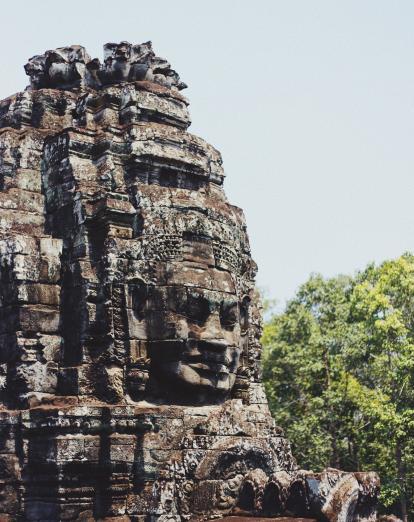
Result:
[
  {"x": 130, "y": 327},
  {"x": 71, "y": 67}
]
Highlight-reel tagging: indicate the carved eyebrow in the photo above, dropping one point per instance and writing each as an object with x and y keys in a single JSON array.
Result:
[
  {"x": 180, "y": 297},
  {"x": 229, "y": 303},
  {"x": 198, "y": 299},
  {"x": 209, "y": 296}
]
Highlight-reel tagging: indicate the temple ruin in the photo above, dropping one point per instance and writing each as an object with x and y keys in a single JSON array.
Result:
[{"x": 129, "y": 323}]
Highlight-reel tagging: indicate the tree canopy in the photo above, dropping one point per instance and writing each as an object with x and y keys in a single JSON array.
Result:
[{"x": 339, "y": 372}]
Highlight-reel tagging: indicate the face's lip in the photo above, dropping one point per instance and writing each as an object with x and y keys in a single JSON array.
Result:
[
  {"x": 210, "y": 368},
  {"x": 209, "y": 359},
  {"x": 209, "y": 362}
]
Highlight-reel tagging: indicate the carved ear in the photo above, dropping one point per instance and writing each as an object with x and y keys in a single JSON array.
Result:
[
  {"x": 138, "y": 290},
  {"x": 244, "y": 314}
]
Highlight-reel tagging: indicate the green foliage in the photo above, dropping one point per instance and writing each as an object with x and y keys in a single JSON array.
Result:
[{"x": 339, "y": 374}]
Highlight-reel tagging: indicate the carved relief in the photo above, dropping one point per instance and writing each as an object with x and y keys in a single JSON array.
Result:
[{"x": 130, "y": 326}]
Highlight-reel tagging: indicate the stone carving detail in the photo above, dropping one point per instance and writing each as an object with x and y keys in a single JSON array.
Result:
[
  {"x": 129, "y": 322},
  {"x": 72, "y": 67}
]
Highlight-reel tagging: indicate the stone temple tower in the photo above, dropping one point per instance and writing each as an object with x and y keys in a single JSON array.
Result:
[{"x": 129, "y": 325}]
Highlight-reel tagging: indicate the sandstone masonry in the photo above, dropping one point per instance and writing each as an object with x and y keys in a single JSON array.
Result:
[{"x": 129, "y": 325}]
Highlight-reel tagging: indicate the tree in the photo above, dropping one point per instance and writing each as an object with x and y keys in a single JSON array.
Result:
[{"x": 339, "y": 372}]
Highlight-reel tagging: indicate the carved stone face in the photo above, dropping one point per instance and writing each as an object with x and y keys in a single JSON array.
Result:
[
  {"x": 195, "y": 335},
  {"x": 204, "y": 348}
]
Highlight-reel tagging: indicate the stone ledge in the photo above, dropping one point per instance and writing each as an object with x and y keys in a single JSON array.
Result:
[{"x": 265, "y": 519}]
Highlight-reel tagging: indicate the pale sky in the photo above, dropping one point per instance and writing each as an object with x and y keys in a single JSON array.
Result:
[{"x": 311, "y": 103}]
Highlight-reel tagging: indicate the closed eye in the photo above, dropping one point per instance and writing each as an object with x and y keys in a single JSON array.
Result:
[{"x": 198, "y": 309}]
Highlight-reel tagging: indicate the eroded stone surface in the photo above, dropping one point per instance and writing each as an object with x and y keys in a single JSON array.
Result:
[{"x": 129, "y": 324}]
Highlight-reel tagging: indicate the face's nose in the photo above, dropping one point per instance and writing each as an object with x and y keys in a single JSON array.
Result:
[{"x": 212, "y": 331}]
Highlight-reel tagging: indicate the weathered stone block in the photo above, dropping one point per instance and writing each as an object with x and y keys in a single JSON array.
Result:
[
  {"x": 39, "y": 318},
  {"x": 38, "y": 377},
  {"x": 38, "y": 293}
]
